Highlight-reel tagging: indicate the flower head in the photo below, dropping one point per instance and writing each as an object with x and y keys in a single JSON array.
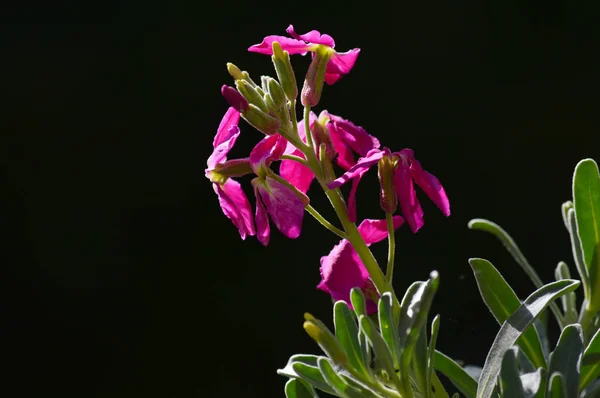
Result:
[
  {"x": 342, "y": 269},
  {"x": 406, "y": 172},
  {"x": 232, "y": 199},
  {"x": 338, "y": 65}
]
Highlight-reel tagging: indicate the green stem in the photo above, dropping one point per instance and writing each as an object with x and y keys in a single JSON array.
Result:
[
  {"x": 391, "y": 248},
  {"x": 324, "y": 222},
  {"x": 294, "y": 158},
  {"x": 294, "y": 117},
  {"x": 309, "y": 139}
]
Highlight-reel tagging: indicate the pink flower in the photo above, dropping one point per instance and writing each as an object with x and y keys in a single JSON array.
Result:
[
  {"x": 296, "y": 173},
  {"x": 232, "y": 199},
  {"x": 347, "y": 139},
  {"x": 342, "y": 269},
  {"x": 274, "y": 198},
  {"x": 339, "y": 64},
  {"x": 407, "y": 171}
]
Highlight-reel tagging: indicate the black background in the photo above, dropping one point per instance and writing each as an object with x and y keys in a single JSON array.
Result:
[{"x": 120, "y": 275}]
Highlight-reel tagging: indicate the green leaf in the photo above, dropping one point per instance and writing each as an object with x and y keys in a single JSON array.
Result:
[
  {"x": 380, "y": 348},
  {"x": 296, "y": 388},
  {"x": 534, "y": 383},
  {"x": 586, "y": 202},
  {"x": 312, "y": 375},
  {"x": 455, "y": 395},
  {"x": 357, "y": 298},
  {"x": 590, "y": 365},
  {"x": 336, "y": 382},
  {"x": 346, "y": 331},
  {"x": 508, "y": 242},
  {"x": 326, "y": 340},
  {"x": 509, "y": 375},
  {"x": 456, "y": 374},
  {"x": 307, "y": 359},
  {"x": 502, "y": 301},
  {"x": 568, "y": 205},
  {"x": 514, "y": 326},
  {"x": 435, "y": 328},
  {"x": 569, "y": 301},
  {"x": 566, "y": 358},
  {"x": 418, "y": 362},
  {"x": 557, "y": 388},
  {"x": 578, "y": 255},
  {"x": 388, "y": 328},
  {"x": 593, "y": 391}
]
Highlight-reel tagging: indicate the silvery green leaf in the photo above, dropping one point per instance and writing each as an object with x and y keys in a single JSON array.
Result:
[
  {"x": 590, "y": 365},
  {"x": 509, "y": 375},
  {"x": 296, "y": 388},
  {"x": 534, "y": 383},
  {"x": 346, "y": 331},
  {"x": 557, "y": 388},
  {"x": 566, "y": 358},
  {"x": 457, "y": 375}
]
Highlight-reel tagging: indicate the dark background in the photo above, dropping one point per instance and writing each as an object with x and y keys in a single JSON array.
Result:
[{"x": 120, "y": 275}]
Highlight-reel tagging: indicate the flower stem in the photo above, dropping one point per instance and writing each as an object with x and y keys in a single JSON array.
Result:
[
  {"x": 293, "y": 117},
  {"x": 389, "y": 272},
  {"x": 294, "y": 158},
  {"x": 309, "y": 139},
  {"x": 324, "y": 222}
]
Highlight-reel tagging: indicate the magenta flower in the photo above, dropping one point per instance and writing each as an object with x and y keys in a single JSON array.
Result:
[
  {"x": 232, "y": 199},
  {"x": 296, "y": 173},
  {"x": 347, "y": 139},
  {"x": 342, "y": 269},
  {"x": 339, "y": 64},
  {"x": 406, "y": 172},
  {"x": 274, "y": 198}
]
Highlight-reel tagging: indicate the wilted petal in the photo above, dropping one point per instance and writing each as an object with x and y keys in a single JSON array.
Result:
[
  {"x": 431, "y": 186},
  {"x": 266, "y": 151},
  {"x": 235, "y": 206},
  {"x": 411, "y": 208},
  {"x": 284, "y": 207},
  {"x": 231, "y": 118},
  {"x": 374, "y": 231},
  {"x": 296, "y": 173},
  {"x": 359, "y": 168},
  {"x": 340, "y": 64},
  {"x": 263, "y": 229},
  {"x": 314, "y": 36},
  {"x": 292, "y": 46},
  {"x": 226, "y": 142}
]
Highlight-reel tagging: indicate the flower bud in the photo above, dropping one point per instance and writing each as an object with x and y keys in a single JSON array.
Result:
[
  {"x": 315, "y": 77},
  {"x": 276, "y": 92},
  {"x": 234, "y": 98},
  {"x": 232, "y": 168},
  {"x": 387, "y": 198},
  {"x": 234, "y": 71},
  {"x": 262, "y": 121},
  {"x": 285, "y": 73},
  {"x": 251, "y": 94},
  {"x": 281, "y": 113},
  {"x": 326, "y": 340},
  {"x": 321, "y": 137}
]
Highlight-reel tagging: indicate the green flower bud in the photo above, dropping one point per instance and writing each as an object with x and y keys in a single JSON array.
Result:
[
  {"x": 315, "y": 77},
  {"x": 285, "y": 73},
  {"x": 385, "y": 171},
  {"x": 234, "y": 71},
  {"x": 276, "y": 92},
  {"x": 251, "y": 94},
  {"x": 262, "y": 121}
]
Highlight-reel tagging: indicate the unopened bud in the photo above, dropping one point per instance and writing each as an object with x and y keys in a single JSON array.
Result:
[
  {"x": 315, "y": 77},
  {"x": 321, "y": 137},
  {"x": 276, "y": 92},
  {"x": 279, "y": 112},
  {"x": 234, "y": 71},
  {"x": 326, "y": 340},
  {"x": 234, "y": 168},
  {"x": 285, "y": 73},
  {"x": 251, "y": 94},
  {"x": 234, "y": 98},
  {"x": 262, "y": 121},
  {"x": 387, "y": 197}
]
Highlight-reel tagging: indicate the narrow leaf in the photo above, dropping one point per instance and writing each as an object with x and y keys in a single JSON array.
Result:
[
  {"x": 514, "y": 326},
  {"x": 435, "y": 328},
  {"x": 566, "y": 358},
  {"x": 296, "y": 388},
  {"x": 578, "y": 256},
  {"x": 336, "y": 382},
  {"x": 502, "y": 301},
  {"x": 590, "y": 369},
  {"x": 307, "y": 359},
  {"x": 534, "y": 383},
  {"x": 565, "y": 212},
  {"x": 346, "y": 331},
  {"x": 586, "y": 202},
  {"x": 568, "y": 301},
  {"x": 509, "y": 375},
  {"x": 388, "y": 328},
  {"x": 312, "y": 375},
  {"x": 457, "y": 375},
  {"x": 557, "y": 388}
]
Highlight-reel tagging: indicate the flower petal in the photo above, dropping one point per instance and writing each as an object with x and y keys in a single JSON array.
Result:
[
  {"x": 231, "y": 118},
  {"x": 266, "y": 151},
  {"x": 263, "y": 230},
  {"x": 345, "y": 135},
  {"x": 359, "y": 168},
  {"x": 374, "y": 231},
  {"x": 296, "y": 173},
  {"x": 431, "y": 186},
  {"x": 220, "y": 152},
  {"x": 314, "y": 36},
  {"x": 284, "y": 207},
  {"x": 340, "y": 64},
  {"x": 411, "y": 208},
  {"x": 235, "y": 206},
  {"x": 292, "y": 46}
]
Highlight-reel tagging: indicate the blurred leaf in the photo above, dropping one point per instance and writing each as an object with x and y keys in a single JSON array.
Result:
[
  {"x": 590, "y": 365},
  {"x": 341, "y": 387},
  {"x": 557, "y": 388},
  {"x": 457, "y": 375},
  {"x": 502, "y": 301},
  {"x": 566, "y": 358},
  {"x": 534, "y": 383},
  {"x": 388, "y": 329},
  {"x": 435, "y": 328},
  {"x": 418, "y": 362},
  {"x": 346, "y": 331},
  {"x": 326, "y": 340},
  {"x": 510, "y": 244},
  {"x": 312, "y": 375},
  {"x": 296, "y": 388},
  {"x": 514, "y": 326},
  {"x": 569, "y": 301},
  {"x": 509, "y": 375},
  {"x": 592, "y": 391}
]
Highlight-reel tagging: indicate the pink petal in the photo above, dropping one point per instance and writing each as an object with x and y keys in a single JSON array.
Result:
[
  {"x": 292, "y": 46},
  {"x": 345, "y": 158},
  {"x": 296, "y": 173},
  {"x": 340, "y": 64},
  {"x": 226, "y": 142},
  {"x": 266, "y": 151},
  {"x": 284, "y": 207},
  {"x": 346, "y": 135},
  {"x": 431, "y": 186},
  {"x": 231, "y": 118},
  {"x": 235, "y": 206},
  {"x": 263, "y": 230},
  {"x": 359, "y": 168},
  {"x": 374, "y": 231},
  {"x": 352, "y": 197},
  {"x": 314, "y": 36},
  {"x": 411, "y": 208}
]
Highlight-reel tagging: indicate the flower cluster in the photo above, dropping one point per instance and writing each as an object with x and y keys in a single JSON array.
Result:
[{"x": 308, "y": 150}]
